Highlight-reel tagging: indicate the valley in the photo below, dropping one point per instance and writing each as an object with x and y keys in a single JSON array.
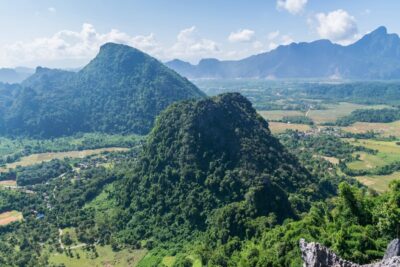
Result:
[
  {"x": 237, "y": 176},
  {"x": 318, "y": 117},
  {"x": 199, "y": 133}
]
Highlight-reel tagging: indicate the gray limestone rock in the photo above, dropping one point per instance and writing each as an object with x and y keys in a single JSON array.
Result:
[{"x": 316, "y": 255}]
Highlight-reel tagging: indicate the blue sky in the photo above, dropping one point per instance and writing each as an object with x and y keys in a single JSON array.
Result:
[{"x": 69, "y": 33}]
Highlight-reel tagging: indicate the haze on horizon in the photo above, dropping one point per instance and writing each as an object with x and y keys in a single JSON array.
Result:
[{"x": 69, "y": 34}]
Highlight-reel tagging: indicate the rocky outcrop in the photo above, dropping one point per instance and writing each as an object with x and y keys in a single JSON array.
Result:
[
  {"x": 316, "y": 255},
  {"x": 393, "y": 249}
]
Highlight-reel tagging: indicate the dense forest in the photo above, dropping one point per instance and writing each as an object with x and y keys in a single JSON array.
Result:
[
  {"x": 122, "y": 90},
  {"x": 214, "y": 156},
  {"x": 210, "y": 183}
]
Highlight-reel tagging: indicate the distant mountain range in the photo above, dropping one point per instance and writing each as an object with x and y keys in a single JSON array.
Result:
[
  {"x": 8, "y": 75},
  {"x": 375, "y": 56},
  {"x": 122, "y": 90}
]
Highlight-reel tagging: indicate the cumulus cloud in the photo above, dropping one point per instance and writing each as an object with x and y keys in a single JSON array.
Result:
[
  {"x": 241, "y": 36},
  {"x": 337, "y": 26},
  {"x": 292, "y": 6},
  {"x": 189, "y": 45},
  {"x": 71, "y": 45}
]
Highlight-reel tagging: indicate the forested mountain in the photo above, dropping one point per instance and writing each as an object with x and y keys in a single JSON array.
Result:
[
  {"x": 122, "y": 90},
  {"x": 212, "y": 164},
  {"x": 375, "y": 56}
]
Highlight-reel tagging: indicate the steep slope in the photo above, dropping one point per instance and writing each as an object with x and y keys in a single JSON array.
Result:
[
  {"x": 122, "y": 90},
  {"x": 208, "y": 160},
  {"x": 375, "y": 56}
]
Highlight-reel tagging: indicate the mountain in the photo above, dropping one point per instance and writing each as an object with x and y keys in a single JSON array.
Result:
[
  {"x": 121, "y": 90},
  {"x": 16, "y": 75},
  {"x": 375, "y": 56},
  {"x": 211, "y": 162}
]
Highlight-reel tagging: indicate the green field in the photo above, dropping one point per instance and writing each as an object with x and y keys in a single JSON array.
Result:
[
  {"x": 107, "y": 257},
  {"x": 384, "y": 129},
  {"x": 388, "y": 152},
  {"x": 335, "y": 111},
  {"x": 168, "y": 261},
  {"x": 330, "y": 114},
  {"x": 379, "y": 182},
  {"x": 43, "y": 157}
]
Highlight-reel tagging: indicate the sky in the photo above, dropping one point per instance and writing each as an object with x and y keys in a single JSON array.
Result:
[{"x": 67, "y": 34}]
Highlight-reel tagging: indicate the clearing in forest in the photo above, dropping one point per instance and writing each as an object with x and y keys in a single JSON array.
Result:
[
  {"x": 42, "y": 157},
  {"x": 10, "y": 216},
  {"x": 105, "y": 257}
]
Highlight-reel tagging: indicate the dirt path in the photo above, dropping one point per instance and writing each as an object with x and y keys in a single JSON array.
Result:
[{"x": 60, "y": 233}]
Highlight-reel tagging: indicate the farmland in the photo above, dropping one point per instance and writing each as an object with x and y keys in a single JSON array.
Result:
[
  {"x": 385, "y": 129},
  {"x": 7, "y": 183},
  {"x": 10, "y": 216},
  {"x": 106, "y": 257},
  {"x": 280, "y": 127},
  {"x": 379, "y": 182},
  {"x": 331, "y": 113},
  {"x": 43, "y": 157},
  {"x": 387, "y": 152}
]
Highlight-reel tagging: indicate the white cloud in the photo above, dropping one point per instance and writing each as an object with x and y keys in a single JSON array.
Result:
[
  {"x": 338, "y": 26},
  {"x": 52, "y": 10},
  {"x": 71, "y": 45},
  {"x": 273, "y": 35},
  {"x": 276, "y": 39},
  {"x": 257, "y": 45},
  {"x": 286, "y": 39},
  {"x": 292, "y": 6},
  {"x": 241, "y": 36},
  {"x": 190, "y": 46}
]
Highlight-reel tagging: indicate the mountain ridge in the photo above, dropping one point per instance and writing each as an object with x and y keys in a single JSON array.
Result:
[
  {"x": 375, "y": 56},
  {"x": 121, "y": 90}
]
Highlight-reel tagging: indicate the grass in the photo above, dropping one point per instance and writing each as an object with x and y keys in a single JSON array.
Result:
[
  {"x": 72, "y": 233},
  {"x": 168, "y": 261},
  {"x": 42, "y": 157},
  {"x": 388, "y": 152},
  {"x": 280, "y": 127},
  {"x": 11, "y": 146},
  {"x": 102, "y": 203},
  {"x": 335, "y": 111},
  {"x": 10, "y": 216},
  {"x": 385, "y": 129},
  {"x": 107, "y": 257},
  {"x": 331, "y": 114},
  {"x": 379, "y": 182}
]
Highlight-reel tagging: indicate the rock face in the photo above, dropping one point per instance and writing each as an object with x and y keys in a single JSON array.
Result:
[
  {"x": 393, "y": 249},
  {"x": 316, "y": 255}
]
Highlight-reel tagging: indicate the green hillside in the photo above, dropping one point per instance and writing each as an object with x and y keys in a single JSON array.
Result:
[
  {"x": 122, "y": 90},
  {"x": 207, "y": 162}
]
